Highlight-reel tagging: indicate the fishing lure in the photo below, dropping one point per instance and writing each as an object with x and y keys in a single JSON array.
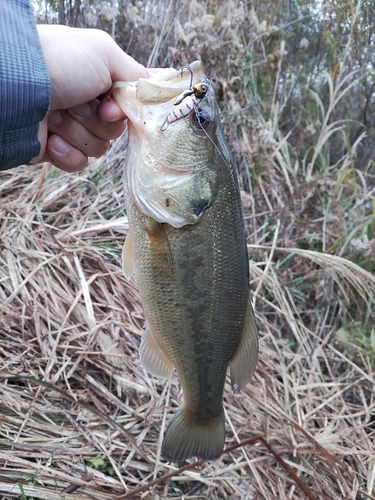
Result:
[{"x": 186, "y": 101}]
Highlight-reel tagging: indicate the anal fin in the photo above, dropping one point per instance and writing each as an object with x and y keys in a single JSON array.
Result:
[
  {"x": 244, "y": 360},
  {"x": 153, "y": 358}
]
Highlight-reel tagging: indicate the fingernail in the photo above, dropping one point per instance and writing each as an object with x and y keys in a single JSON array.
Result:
[
  {"x": 55, "y": 118},
  {"x": 61, "y": 147},
  {"x": 82, "y": 109}
]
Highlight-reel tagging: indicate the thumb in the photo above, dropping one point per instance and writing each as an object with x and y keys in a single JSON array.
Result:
[{"x": 122, "y": 66}]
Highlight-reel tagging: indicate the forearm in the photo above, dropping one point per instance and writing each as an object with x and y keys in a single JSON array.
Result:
[{"x": 24, "y": 84}]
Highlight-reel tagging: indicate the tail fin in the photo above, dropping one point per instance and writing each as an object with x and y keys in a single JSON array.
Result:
[{"x": 184, "y": 438}]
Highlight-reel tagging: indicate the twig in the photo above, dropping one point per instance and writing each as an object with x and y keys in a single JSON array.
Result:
[
  {"x": 289, "y": 470},
  {"x": 73, "y": 487},
  {"x": 245, "y": 442},
  {"x": 362, "y": 492},
  {"x": 162, "y": 478},
  {"x": 168, "y": 475}
]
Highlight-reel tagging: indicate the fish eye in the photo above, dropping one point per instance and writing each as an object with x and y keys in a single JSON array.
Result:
[
  {"x": 200, "y": 119},
  {"x": 200, "y": 90}
]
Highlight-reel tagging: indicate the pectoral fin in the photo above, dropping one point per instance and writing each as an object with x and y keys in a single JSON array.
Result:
[
  {"x": 160, "y": 252},
  {"x": 128, "y": 256},
  {"x": 244, "y": 361},
  {"x": 153, "y": 358}
]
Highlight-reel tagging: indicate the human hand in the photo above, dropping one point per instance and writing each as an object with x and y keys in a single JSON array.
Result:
[{"x": 82, "y": 65}]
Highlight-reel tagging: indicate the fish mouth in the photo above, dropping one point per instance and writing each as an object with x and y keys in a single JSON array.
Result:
[{"x": 163, "y": 186}]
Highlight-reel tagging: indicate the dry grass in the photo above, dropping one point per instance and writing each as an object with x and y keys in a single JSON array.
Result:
[{"x": 78, "y": 409}]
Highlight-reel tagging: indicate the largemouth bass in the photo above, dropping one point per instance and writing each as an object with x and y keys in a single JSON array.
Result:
[{"x": 187, "y": 247}]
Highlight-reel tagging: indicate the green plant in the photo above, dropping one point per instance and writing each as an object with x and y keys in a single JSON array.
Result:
[
  {"x": 100, "y": 464},
  {"x": 29, "y": 480},
  {"x": 357, "y": 340}
]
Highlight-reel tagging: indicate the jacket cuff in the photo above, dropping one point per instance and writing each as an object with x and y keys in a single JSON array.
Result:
[{"x": 24, "y": 84}]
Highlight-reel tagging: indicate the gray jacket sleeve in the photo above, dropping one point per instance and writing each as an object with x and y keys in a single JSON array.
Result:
[{"x": 24, "y": 84}]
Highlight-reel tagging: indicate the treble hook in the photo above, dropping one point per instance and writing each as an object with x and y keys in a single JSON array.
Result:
[{"x": 191, "y": 74}]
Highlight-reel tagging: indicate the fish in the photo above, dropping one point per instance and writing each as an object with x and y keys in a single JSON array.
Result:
[{"x": 187, "y": 248}]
